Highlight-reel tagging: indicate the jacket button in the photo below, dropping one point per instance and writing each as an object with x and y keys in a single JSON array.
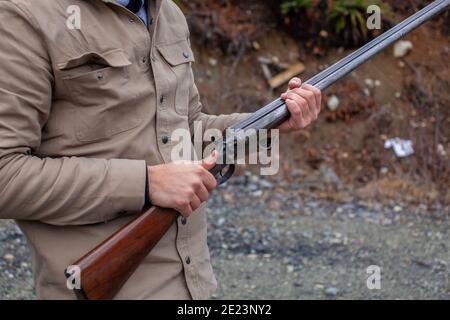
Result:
[
  {"x": 188, "y": 260},
  {"x": 144, "y": 60},
  {"x": 183, "y": 221},
  {"x": 165, "y": 139},
  {"x": 161, "y": 99},
  {"x": 185, "y": 54},
  {"x": 99, "y": 76}
]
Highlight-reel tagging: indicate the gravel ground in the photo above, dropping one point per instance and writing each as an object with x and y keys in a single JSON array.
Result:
[{"x": 275, "y": 240}]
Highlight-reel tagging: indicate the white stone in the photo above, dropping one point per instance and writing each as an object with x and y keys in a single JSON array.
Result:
[
  {"x": 402, "y": 48},
  {"x": 441, "y": 150},
  {"x": 213, "y": 62},
  {"x": 369, "y": 82},
  {"x": 8, "y": 257},
  {"x": 333, "y": 103}
]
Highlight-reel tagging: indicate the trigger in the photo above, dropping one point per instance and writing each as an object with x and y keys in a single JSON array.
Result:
[{"x": 225, "y": 174}]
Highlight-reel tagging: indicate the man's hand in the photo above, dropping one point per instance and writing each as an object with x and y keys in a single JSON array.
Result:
[
  {"x": 303, "y": 104},
  {"x": 182, "y": 186}
]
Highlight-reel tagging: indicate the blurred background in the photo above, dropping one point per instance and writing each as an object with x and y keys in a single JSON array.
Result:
[{"x": 346, "y": 196}]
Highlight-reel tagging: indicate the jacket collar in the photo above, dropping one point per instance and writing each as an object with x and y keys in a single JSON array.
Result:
[{"x": 153, "y": 4}]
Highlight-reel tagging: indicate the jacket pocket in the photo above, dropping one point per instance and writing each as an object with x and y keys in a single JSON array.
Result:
[
  {"x": 103, "y": 97},
  {"x": 179, "y": 57}
]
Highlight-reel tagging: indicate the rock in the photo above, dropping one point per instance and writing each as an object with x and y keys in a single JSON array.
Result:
[
  {"x": 290, "y": 269},
  {"x": 8, "y": 257},
  {"x": 441, "y": 150},
  {"x": 213, "y": 62},
  {"x": 318, "y": 286},
  {"x": 398, "y": 209},
  {"x": 296, "y": 173},
  {"x": 266, "y": 184},
  {"x": 257, "y": 193},
  {"x": 366, "y": 92},
  {"x": 402, "y": 48},
  {"x": 221, "y": 221},
  {"x": 331, "y": 291},
  {"x": 256, "y": 45},
  {"x": 377, "y": 83},
  {"x": 369, "y": 82},
  {"x": 329, "y": 177},
  {"x": 398, "y": 95},
  {"x": 323, "y": 34},
  {"x": 333, "y": 103}
]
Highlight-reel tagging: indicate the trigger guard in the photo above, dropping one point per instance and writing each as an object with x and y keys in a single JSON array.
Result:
[{"x": 221, "y": 179}]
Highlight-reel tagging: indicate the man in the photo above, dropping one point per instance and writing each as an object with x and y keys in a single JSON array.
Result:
[{"x": 89, "y": 94}]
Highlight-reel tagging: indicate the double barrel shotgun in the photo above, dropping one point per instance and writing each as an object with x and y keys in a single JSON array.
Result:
[{"x": 105, "y": 269}]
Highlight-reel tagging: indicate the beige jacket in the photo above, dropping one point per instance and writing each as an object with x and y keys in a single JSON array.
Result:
[{"x": 81, "y": 112}]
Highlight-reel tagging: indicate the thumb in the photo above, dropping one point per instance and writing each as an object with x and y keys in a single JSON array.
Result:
[
  {"x": 209, "y": 162},
  {"x": 294, "y": 83}
]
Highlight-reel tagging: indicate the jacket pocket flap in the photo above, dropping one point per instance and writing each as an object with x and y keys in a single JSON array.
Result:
[
  {"x": 113, "y": 58},
  {"x": 176, "y": 53}
]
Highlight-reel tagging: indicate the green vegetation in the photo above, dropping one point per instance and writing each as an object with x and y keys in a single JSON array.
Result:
[{"x": 342, "y": 16}]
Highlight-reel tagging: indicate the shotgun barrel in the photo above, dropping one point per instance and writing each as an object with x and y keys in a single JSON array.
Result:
[{"x": 108, "y": 266}]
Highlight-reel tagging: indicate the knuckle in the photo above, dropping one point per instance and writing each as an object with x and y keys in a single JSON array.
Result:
[
  {"x": 190, "y": 193},
  {"x": 197, "y": 184},
  {"x": 181, "y": 203},
  {"x": 198, "y": 170},
  {"x": 296, "y": 111}
]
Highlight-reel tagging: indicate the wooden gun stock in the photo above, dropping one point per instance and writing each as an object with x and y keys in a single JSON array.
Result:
[{"x": 106, "y": 268}]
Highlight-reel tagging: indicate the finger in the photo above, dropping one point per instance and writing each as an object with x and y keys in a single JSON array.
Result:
[
  {"x": 317, "y": 96},
  {"x": 209, "y": 181},
  {"x": 310, "y": 97},
  {"x": 195, "y": 203},
  {"x": 185, "y": 211},
  {"x": 202, "y": 193},
  {"x": 294, "y": 83},
  {"x": 209, "y": 162},
  {"x": 296, "y": 112},
  {"x": 309, "y": 111},
  {"x": 302, "y": 104}
]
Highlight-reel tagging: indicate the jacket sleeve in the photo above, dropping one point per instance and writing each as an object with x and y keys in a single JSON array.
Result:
[{"x": 59, "y": 191}]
